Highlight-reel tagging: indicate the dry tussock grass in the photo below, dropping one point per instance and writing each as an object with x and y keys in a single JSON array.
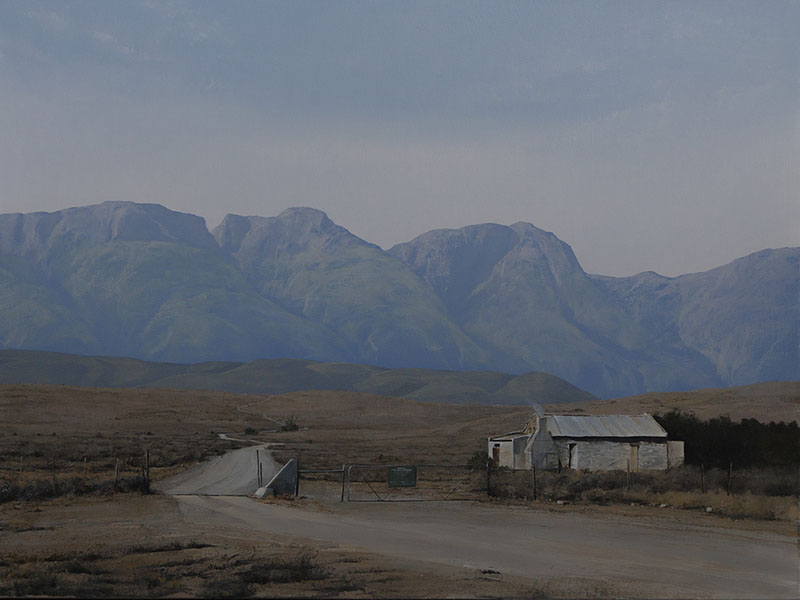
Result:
[
  {"x": 744, "y": 506},
  {"x": 679, "y": 488}
]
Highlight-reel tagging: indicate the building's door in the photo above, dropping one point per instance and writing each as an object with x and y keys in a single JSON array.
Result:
[
  {"x": 634, "y": 459},
  {"x": 573, "y": 456},
  {"x": 496, "y": 455}
]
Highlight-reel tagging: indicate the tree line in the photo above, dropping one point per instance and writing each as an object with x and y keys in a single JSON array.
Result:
[{"x": 720, "y": 441}]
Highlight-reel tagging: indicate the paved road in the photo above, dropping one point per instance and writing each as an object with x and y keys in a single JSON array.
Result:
[
  {"x": 234, "y": 473},
  {"x": 667, "y": 560}
]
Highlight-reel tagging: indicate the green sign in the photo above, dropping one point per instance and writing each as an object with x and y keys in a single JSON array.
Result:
[{"x": 402, "y": 476}]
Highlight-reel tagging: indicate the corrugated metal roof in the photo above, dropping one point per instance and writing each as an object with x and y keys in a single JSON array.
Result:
[
  {"x": 513, "y": 434},
  {"x": 617, "y": 426}
]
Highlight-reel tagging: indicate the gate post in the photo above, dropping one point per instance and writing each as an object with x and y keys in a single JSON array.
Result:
[{"x": 297, "y": 477}]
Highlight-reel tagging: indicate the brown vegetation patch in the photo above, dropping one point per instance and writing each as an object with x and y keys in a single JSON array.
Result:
[{"x": 772, "y": 401}]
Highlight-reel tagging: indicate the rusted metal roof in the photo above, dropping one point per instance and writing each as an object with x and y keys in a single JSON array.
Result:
[{"x": 616, "y": 426}]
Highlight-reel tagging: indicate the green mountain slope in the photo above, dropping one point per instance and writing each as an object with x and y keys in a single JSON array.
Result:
[
  {"x": 527, "y": 297},
  {"x": 176, "y": 297},
  {"x": 318, "y": 270}
]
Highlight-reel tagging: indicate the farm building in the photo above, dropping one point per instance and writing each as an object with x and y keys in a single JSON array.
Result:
[{"x": 587, "y": 442}]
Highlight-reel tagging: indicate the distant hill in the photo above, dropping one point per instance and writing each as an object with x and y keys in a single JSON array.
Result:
[
  {"x": 279, "y": 376},
  {"x": 765, "y": 402},
  {"x": 140, "y": 280}
]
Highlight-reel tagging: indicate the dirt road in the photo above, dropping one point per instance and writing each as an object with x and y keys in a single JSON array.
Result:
[
  {"x": 664, "y": 561},
  {"x": 659, "y": 558},
  {"x": 234, "y": 473}
]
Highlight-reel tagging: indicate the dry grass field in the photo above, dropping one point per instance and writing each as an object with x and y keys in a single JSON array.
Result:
[
  {"x": 42, "y": 427},
  {"x": 65, "y": 530},
  {"x": 765, "y": 402}
]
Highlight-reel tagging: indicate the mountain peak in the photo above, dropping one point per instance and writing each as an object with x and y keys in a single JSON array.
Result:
[
  {"x": 306, "y": 214},
  {"x": 35, "y": 234},
  {"x": 294, "y": 230}
]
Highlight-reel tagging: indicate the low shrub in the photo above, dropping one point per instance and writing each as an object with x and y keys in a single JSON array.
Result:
[
  {"x": 301, "y": 567},
  {"x": 290, "y": 425},
  {"x": 755, "y": 493},
  {"x": 227, "y": 587}
]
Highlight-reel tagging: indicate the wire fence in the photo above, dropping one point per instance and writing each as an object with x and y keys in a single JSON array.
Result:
[
  {"x": 39, "y": 478},
  {"x": 569, "y": 484},
  {"x": 394, "y": 483}
]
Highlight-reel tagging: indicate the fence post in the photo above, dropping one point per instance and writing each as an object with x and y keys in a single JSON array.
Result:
[
  {"x": 342, "y": 498},
  {"x": 534, "y": 483},
  {"x": 297, "y": 477},
  {"x": 84, "y": 471},
  {"x": 116, "y": 474},
  {"x": 350, "y": 468},
  {"x": 702, "y": 479},
  {"x": 628, "y": 475},
  {"x": 258, "y": 469},
  {"x": 730, "y": 475},
  {"x": 489, "y": 477},
  {"x": 147, "y": 471},
  {"x": 55, "y": 485}
]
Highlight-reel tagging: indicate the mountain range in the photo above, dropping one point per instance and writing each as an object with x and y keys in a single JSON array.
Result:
[{"x": 142, "y": 281}]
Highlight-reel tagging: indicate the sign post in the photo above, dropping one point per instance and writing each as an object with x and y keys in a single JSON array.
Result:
[{"x": 402, "y": 477}]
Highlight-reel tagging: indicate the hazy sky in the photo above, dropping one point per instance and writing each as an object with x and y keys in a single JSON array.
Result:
[{"x": 649, "y": 136}]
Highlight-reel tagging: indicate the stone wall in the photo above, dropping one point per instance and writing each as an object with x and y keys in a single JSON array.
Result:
[
  {"x": 674, "y": 454},
  {"x": 542, "y": 451},
  {"x": 521, "y": 458},
  {"x": 653, "y": 456},
  {"x": 603, "y": 455}
]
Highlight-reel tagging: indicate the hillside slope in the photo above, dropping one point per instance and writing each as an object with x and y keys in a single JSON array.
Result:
[{"x": 280, "y": 376}]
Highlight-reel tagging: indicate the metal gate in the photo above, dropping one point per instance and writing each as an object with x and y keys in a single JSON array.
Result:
[
  {"x": 413, "y": 483},
  {"x": 322, "y": 484}
]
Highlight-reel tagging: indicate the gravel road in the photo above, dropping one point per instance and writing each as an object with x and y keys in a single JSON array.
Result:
[
  {"x": 666, "y": 561},
  {"x": 234, "y": 473},
  {"x": 660, "y": 557}
]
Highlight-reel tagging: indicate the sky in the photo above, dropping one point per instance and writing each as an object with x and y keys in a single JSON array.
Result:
[{"x": 658, "y": 136}]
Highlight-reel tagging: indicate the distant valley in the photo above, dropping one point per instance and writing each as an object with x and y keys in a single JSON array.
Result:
[{"x": 142, "y": 281}]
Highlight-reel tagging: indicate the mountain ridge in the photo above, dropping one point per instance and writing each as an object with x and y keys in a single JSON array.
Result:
[{"x": 144, "y": 281}]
